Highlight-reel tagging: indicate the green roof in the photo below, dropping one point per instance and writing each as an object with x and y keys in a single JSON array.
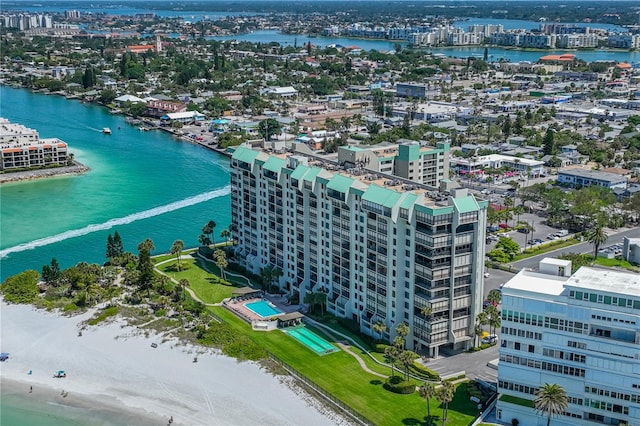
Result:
[
  {"x": 312, "y": 173},
  {"x": 340, "y": 183},
  {"x": 466, "y": 204},
  {"x": 409, "y": 200},
  {"x": 431, "y": 211},
  {"x": 274, "y": 164},
  {"x": 299, "y": 172},
  {"x": 379, "y": 195},
  {"x": 245, "y": 155}
]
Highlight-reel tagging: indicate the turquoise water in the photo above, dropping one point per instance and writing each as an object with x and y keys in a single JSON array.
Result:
[
  {"x": 143, "y": 184},
  {"x": 311, "y": 340},
  {"x": 495, "y": 53},
  {"x": 263, "y": 308}
]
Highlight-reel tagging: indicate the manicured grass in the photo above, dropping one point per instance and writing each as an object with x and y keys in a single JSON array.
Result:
[
  {"x": 518, "y": 401},
  {"x": 620, "y": 263},
  {"x": 546, "y": 247},
  {"x": 242, "y": 282},
  {"x": 207, "y": 286},
  {"x": 163, "y": 257},
  {"x": 341, "y": 375}
]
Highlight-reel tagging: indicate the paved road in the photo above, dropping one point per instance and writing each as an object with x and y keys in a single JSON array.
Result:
[
  {"x": 533, "y": 262},
  {"x": 473, "y": 364}
]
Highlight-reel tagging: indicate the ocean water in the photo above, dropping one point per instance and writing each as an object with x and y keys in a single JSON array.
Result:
[{"x": 143, "y": 184}]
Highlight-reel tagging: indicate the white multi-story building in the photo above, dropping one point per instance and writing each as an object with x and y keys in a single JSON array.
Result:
[
  {"x": 579, "y": 331},
  {"x": 381, "y": 247},
  {"x": 21, "y": 147},
  {"x": 412, "y": 160},
  {"x": 577, "y": 41}
]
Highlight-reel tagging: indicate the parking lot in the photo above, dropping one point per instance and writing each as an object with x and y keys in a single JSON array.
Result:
[{"x": 541, "y": 232}]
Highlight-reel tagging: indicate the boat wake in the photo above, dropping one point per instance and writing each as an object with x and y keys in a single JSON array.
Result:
[{"x": 156, "y": 211}]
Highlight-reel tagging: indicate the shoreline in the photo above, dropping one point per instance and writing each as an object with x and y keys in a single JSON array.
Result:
[
  {"x": 27, "y": 175},
  {"x": 112, "y": 370}
]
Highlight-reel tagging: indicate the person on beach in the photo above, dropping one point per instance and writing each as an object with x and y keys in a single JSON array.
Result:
[
  {"x": 30, "y": 389},
  {"x": 170, "y": 419}
]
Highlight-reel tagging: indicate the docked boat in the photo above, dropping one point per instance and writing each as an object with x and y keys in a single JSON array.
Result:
[{"x": 106, "y": 131}]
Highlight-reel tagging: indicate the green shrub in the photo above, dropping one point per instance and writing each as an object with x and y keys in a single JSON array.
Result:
[
  {"x": 397, "y": 384},
  {"x": 243, "y": 348},
  {"x": 70, "y": 307},
  {"x": 21, "y": 288},
  {"x": 161, "y": 312},
  {"x": 109, "y": 312},
  {"x": 380, "y": 347},
  {"x": 350, "y": 325},
  {"x": 423, "y": 371}
]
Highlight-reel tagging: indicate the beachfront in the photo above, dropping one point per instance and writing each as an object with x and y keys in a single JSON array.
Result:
[{"x": 112, "y": 368}]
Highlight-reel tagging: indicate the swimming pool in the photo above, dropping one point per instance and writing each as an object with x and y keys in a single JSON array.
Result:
[
  {"x": 311, "y": 340},
  {"x": 263, "y": 308}
]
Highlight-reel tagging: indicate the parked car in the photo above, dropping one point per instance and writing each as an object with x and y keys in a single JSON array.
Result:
[
  {"x": 524, "y": 230},
  {"x": 503, "y": 226},
  {"x": 488, "y": 340}
]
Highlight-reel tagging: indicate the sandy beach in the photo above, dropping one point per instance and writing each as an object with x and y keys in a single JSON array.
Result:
[{"x": 113, "y": 371}]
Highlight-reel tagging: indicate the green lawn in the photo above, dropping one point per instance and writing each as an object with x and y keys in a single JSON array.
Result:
[
  {"x": 518, "y": 401},
  {"x": 341, "y": 375},
  {"x": 206, "y": 285},
  {"x": 620, "y": 263},
  {"x": 546, "y": 247}
]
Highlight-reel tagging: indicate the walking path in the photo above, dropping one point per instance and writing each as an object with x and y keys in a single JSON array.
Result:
[
  {"x": 344, "y": 347},
  {"x": 360, "y": 360},
  {"x": 188, "y": 290}
]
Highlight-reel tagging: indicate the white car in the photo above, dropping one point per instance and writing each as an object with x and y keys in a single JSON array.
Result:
[{"x": 486, "y": 275}]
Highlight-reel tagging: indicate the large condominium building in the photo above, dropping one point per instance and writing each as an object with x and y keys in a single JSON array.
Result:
[
  {"x": 21, "y": 147},
  {"x": 579, "y": 331},
  {"x": 413, "y": 160},
  {"x": 381, "y": 247}
]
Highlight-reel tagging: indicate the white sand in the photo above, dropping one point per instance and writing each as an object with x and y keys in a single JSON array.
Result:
[{"x": 156, "y": 383}]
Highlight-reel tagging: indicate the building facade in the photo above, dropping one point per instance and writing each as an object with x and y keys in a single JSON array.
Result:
[
  {"x": 579, "y": 331},
  {"x": 380, "y": 247},
  {"x": 581, "y": 177},
  {"x": 412, "y": 160},
  {"x": 22, "y": 148}
]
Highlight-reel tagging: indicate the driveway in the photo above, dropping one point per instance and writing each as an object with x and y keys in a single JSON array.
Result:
[{"x": 474, "y": 364}]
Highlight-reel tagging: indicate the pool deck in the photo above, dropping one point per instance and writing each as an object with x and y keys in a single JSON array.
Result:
[{"x": 237, "y": 305}]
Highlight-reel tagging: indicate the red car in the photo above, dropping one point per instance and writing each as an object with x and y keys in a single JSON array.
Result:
[{"x": 503, "y": 226}]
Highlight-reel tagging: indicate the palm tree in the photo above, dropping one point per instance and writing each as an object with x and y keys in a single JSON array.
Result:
[
  {"x": 426, "y": 311},
  {"x": 477, "y": 331},
  {"x": 225, "y": 234},
  {"x": 221, "y": 261},
  {"x": 495, "y": 297},
  {"x": 427, "y": 391},
  {"x": 518, "y": 211},
  {"x": 176, "y": 249},
  {"x": 402, "y": 331},
  {"x": 445, "y": 396},
  {"x": 493, "y": 315},
  {"x": 406, "y": 359},
  {"x": 379, "y": 327},
  {"x": 597, "y": 237},
  {"x": 183, "y": 283},
  {"x": 551, "y": 399},
  {"x": 204, "y": 240},
  {"x": 391, "y": 353},
  {"x": 269, "y": 275},
  {"x": 208, "y": 228}
]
